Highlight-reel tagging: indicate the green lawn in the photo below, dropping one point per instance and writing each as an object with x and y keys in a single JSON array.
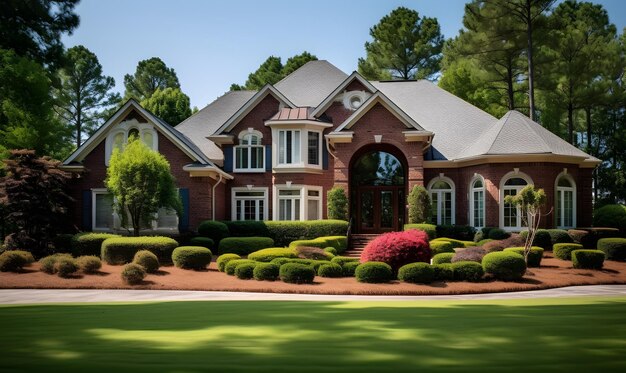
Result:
[{"x": 539, "y": 335}]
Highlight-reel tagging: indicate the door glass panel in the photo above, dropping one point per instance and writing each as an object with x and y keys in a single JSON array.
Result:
[
  {"x": 435, "y": 206},
  {"x": 367, "y": 209},
  {"x": 386, "y": 209},
  {"x": 510, "y": 211},
  {"x": 447, "y": 208}
]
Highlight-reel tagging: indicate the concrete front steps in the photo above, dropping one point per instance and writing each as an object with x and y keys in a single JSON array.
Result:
[{"x": 358, "y": 243}]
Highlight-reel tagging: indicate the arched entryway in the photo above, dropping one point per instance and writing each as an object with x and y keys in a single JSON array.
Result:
[{"x": 378, "y": 189}]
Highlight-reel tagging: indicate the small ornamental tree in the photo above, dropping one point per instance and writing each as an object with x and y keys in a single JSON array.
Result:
[
  {"x": 141, "y": 183},
  {"x": 419, "y": 205},
  {"x": 337, "y": 204},
  {"x": 530, "y": 201},
  {"x": 34, "y": 201}
]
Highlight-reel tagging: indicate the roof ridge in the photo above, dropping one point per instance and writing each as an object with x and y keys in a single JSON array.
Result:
[
  {"x": 526, "y": 122},
  {"x": 507, "y": 116}
]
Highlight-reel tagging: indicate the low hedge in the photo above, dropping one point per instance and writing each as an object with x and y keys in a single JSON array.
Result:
[
  {"x": 442, "y": 258},
  {"x": 348, "y": 268},
  {"x": 63, "y": 243},
  {"x": 498, "y": 234},
  {"x": 89, "y": 243},
  {"x": 15, "y": 260},
  {"x": 588, "y": 259},
  {"x": 563, "y": 251},
  {"x": 280, "y": 261},
  {"x": 215, "y": 230},
  {"x": 47, "y": 263},
  {"x": 222, "y": 260},
  {"x": 430, "y": 229},
  {"x": 534, "y": 255},
  {"x": 231, "y": 266},
  {"x": 439, "y": 247},
  {"x": 542, "y": 238},
  {"x": 330, "y": 270},
  {"x": 331, "y": 250},
  {"x": 247, "y": 228},
  {"x": 467, "y": 271},
  {"x": 373, "y": 272},
  {"x": 267, "y": 255},
  {"x": 147, "y": 260},
  {"x": 443, "y": 272},
  {"x": 458, "y": 232},
  {"x": 89, "y": 264},
  {"x": 315, "y": 264},
  {"x": 133, "y": 274},
  {"x": 506, "y": 266},
  {"x": 613, "y": 216},
  {"x": 455, "y": 243},
  {"x": 121, "y": 250},
  {"x": 245, "y": 271},
  {"x": 202, "y": 241},
  {"x": 192, "y": 257},
  {"x": 296, "y": 273},
  {"x": 416, "y": 273},
  {"x": 559, "y": 236},
  {"x": 340, "y": 243},
  {"x": 614, "y": 248},
  {"x": 342, "y": 260},
  {"x": 266, "y": 272},
  {"x": 244, "y": 245},
  {"x": 482, "y": 242},
  {"x": 285, "y": 232}
]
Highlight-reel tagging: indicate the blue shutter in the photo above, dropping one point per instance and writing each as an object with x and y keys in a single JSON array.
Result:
[
  {"x": 87, "y": 210},
  {"x": 324, "y": 155},
  {"x": 183, "y": 222},
  {"x": 268, "y": 158},
  {"x": 228, "y": 158}
]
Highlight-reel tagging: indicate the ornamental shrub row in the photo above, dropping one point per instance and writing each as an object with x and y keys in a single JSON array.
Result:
[
  {"x": 534, "y": 255},
  {"x": 438, "y": 247},
  {"x": 546, "y": 238},
  {"x": 121, "y": 250},
  {"x": 457, "y": 232},
  {"x": 243, "y": 245},
  {"x": 89, "y": 243},
  {"x": 267, "y": 255},
  {"x": 340, "y": 243}
]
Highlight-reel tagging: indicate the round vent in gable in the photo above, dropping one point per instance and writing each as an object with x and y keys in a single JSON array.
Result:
[{"x": 354, "y": 99}]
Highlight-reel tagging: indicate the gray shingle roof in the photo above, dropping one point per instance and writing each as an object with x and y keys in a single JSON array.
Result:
[
  {"x": 312, "y": 83},
  {"x": 210, "y": 118}
]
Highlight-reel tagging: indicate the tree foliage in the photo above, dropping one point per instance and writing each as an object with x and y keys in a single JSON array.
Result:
[
  {"x": 150, "y": 75},
  {"x": 337, "y": 204},
  {"x": 169, "y": 104},
  {"x": 34, "y": 199},
  {"x": 531, "y": 202},
  {"x": 419, "y": 205},
  {"x": 141, "y": 183},
  {"x": 272, "y": 71},
  {"x": 404, "y": 46}
]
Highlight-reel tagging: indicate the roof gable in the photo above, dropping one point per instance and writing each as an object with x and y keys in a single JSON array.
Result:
[
  {"x": 311, "y": 83},
  {"x": 354, "y": 77}
]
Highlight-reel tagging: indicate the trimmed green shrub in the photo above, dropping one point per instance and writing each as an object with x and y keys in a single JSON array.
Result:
[
  {"x": 559, "y": 236},
  {"x": 443, "y": 272},
  {"x": 122, "y": 249},
  {"x": 46, "y": 264},
  {"x": 443, "y": 258},
  {"x": 202, "y": 241},
  {"x": 419, "y": 204},
  {"x": 341, "y": 260},
  {"x": 498, "y": 234},
  {"x": 296, "y": 273},
  {"x": 467, "y": 271},
  {"x": 439, "y": 247},
  {"x": 590, "y": 240},
  {"x": 231, "y": 266},
  {"x": 147, "y": 260},
  {"x": 458, "y": 232},
  {"x": 430, "y": 229},
  {"x": 285, "y": 232},
  {"x": 577, "y": 235},
  {"x": 331, "y": 250},
  {"x": 337, "y": 203},
  {"x": 587, "y": 259},
  {"x": 506, "y": 266},
  {"x": 222, "y": 260},
  {"x": 315, "y": 253},
  {"x": 534, "y": 256},
  {"x": 416, "y": 273},
  {"x": 315, "y": 264},
  {"x": 340, "y": 243},
  {"x": 280, "y": 261},
  {"x": 563, "y": 251},
  {"x": 614, "y": 248},
  {"x": 330, "y": 270},
  {"x": 542, "y": 238},
  {"x": 482, "y": 242},
  {"x": 373, "y": 272},
  {"x": 247, "y": 228},
  {"x": 470, "y": 254},
  {"x": 267, "y": 255},
  {"x": 133, "y": 274},
  {"x": 15, "y": 260},
  {"x": 192, "y": 257},
  {"x": 65, "y": 267},
  {"x": 455, "y": 243},
  {"x": 613, "y": 216},
  {"x": 89, "y": 243},
  {"x": 266, "y": 272},
  {"x": 215, "y": 230},
  {"x": 89, "y": 264},
  {"x": 244, "y": 245},
  {"x": 348, "y": 268},
  {"x": 245, "y": 271}
]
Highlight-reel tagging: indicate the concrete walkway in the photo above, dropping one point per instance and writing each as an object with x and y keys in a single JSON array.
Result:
[{"x": 29, "y": 296}]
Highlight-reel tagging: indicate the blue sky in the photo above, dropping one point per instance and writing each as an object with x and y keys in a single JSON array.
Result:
[{"x": 212, "y": 44}]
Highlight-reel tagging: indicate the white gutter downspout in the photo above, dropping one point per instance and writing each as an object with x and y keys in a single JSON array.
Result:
[
  {"x": 328, "y": 148},
  {"x": 213, "y": 197}
]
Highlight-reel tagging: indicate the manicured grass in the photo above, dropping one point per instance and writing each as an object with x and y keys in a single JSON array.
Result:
[{"x": 536, "y": 335}]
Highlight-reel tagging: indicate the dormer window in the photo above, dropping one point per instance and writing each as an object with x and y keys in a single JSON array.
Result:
[
  {"x": 118, "y": 137},
  {"x": 249, "y": 153}
]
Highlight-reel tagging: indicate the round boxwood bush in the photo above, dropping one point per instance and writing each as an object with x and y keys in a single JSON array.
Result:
[
  {"x": 348, "y": 269},
  {"x": 373, "y": 272},
  {"x": 46, "y": 264},
  {"x": 133, "y": 274},
  {"x": 612, "y": 216},
  {"x": 214, "y": 230},
  {"x": 65, "y": 267},
  {"x": 231, "y": 266},
  {"x": 191, "y": 257},
  {"x": 443, "y": 272},
  {"x": 542, "y": 239},
  {"x": 266, "y": 272},
  {"x": 470, "y": 254},
  {"x": 202, "y": 241},
  {"x": 89, "y": 264},
  {"x": 147, "y": 260},
  {"x": 331, "y": 250},
  {"x": 296, "y": 273},
  {"x": 15, "y": 260},
  {"x": 559, "y": 236},
  {"x": 398, "y": 249},
  {"x": 467, "y": 271},
  {"x": 330, "y": 270},
  {"x": 280, "y": 261},
  {"x": 455, "y": 243},
  {"x": 439, "y": 247},
  {"x": 614, "y": 248},
  {"x": 245, "y": 271},
  {"x": 222, "y": 260},
  {"x": 588, "y": 259},
  {"x": 498, "y": 234},
  {"x": 267, "y": 255},
  {"x": 563, "y": 251},
  {"x": 534, "y": 256},
  {"x": 341, "y": 260},
  {"x": 416, "y": 273},
  {"x": 506, "y": 266},
  {"x": 442, "y": 258}
]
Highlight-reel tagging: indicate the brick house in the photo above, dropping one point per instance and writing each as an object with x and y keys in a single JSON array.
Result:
[{"x": 273, "y": 154}]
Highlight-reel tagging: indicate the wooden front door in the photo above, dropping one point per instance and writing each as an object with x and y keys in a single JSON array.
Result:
[{"x": 377, "y": 208}]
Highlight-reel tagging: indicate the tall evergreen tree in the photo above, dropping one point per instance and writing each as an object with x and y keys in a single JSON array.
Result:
[
  {"x": 150, "y": 75},
  {"x": 272, "y": 71},
  {"x": 169, "y": 104}
]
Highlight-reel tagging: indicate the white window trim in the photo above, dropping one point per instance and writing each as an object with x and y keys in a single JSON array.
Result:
[
  {"x": 439, "y": 192},
  {"x": 472, "y": 190},
  {"x": 94, "y": 192},
  {"x": 557, "y": 188},
  {"x": 234, "y": 199},
  {"x": 125, "y": 127},
  {"x": 249, "y": 131},
  {"x": 505, "y": 178},
  {"x": 303, "y": 165},
  {"x": 304, "y": 189}
]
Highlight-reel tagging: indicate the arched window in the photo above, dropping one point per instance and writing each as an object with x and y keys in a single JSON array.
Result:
[
  {"x": 133, "y": 132},
  {"x": 249, "y": 152},
  {"x": 510, "y": 215},
  {"x": 441, "y": 190},
  {"x": 126, "y": 130},
  {"x": 477, "y": 202},
  {"x": 565, "y": 208}
]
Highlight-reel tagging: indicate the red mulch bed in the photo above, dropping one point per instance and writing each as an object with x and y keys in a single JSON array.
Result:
[{"x": 552, "y": 274}]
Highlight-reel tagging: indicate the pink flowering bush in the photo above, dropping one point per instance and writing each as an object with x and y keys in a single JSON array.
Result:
[{"x": 398, "y": 249}]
